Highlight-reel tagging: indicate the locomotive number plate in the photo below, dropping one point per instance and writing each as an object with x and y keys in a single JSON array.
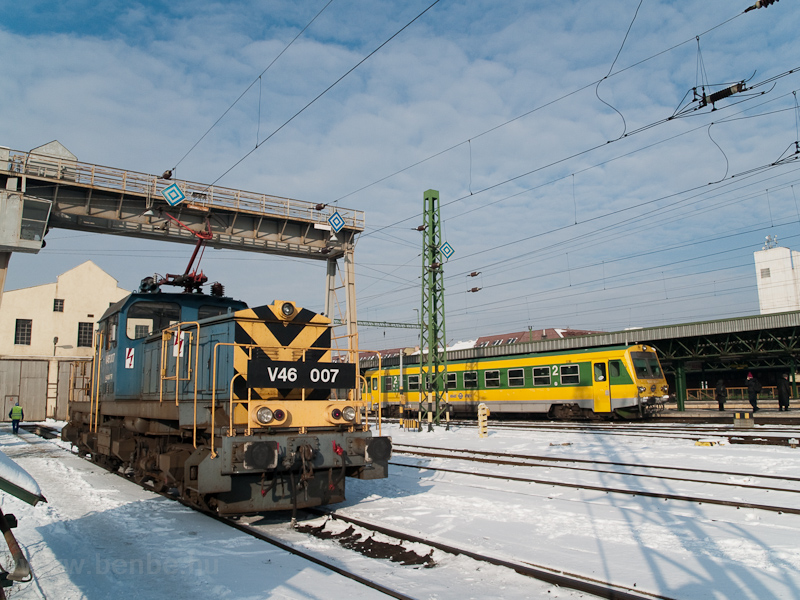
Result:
[{"x": 284, "y": 374}]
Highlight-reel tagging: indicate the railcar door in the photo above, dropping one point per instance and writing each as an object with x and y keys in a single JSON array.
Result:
[{"x": 601, "y": 389}]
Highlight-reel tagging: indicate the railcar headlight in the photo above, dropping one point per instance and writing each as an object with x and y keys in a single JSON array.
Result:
[
  {"x": 265, "y": 415},
  {"x": 287, "y": 309},
  {"x": 665, "y": 388},
  {"x": 349, "y": 413},
  {"x": 642, "y": 389}
]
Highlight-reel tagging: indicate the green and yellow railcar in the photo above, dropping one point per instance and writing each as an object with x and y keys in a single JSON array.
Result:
[{"x": 626, "y": 381}]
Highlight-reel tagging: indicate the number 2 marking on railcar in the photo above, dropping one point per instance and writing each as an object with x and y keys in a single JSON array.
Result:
[{"x": 555, "y": 370}]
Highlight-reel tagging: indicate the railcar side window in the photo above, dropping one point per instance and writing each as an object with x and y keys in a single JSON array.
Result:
[
  {"x": 516, "y": 377},
  {"x": 541, "y": 375},
  {"x": 374, "y": 384},
  {"x": 150, "y": 317},
  {"x": 569, "y": 374},
  {"x": 492, "y": 378},
  {"x": 413, "y": 382},
  {"x": 599, "y": 371},
  {"x": 452, "y": 381},
  {"x": 387, "y": 384},
  {"x": 470, "y": 379},
  {"x": 614, "y": 368}
]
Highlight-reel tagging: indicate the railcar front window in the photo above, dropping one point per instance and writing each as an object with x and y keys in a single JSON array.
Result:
[
  {"x": 655, "y": 368},
  {"x": 646, "y": 365},
  {"x": 150, "y": 317}
]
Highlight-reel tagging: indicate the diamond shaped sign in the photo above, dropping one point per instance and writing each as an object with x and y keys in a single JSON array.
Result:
[
  {"x": 446, "y": 249},
  {"x": 336, "y": 222},
  {"x": 173, "y": 194}
]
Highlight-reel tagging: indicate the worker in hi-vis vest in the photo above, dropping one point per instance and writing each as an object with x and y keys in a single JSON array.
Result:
[{"x": 16, "y": 414}]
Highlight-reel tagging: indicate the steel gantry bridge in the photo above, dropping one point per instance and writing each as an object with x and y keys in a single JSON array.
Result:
[{"x": 49, "y": 188}]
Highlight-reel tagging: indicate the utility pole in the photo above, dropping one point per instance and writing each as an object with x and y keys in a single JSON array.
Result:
[{"x": 434, "y": 365}]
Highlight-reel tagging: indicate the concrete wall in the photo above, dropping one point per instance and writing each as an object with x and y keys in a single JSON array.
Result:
[{"x": 87, "y": 291}]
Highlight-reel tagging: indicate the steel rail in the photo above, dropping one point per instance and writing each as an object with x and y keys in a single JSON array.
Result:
[{"x": 546, "y": 574}]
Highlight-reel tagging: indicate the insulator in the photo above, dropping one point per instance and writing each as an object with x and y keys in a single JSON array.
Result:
[
  {"x": 474, "y": 274},
  {"x": 320, "y": 206},
  {"x": 217, "y": 289},
  {"x": 475, "y": 289},
  {"x": 734, "y": 89},
  {"x": 421, "y": 228}
]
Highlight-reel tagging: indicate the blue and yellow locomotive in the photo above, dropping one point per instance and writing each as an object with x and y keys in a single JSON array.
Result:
[{"x": 241, "y": 410}]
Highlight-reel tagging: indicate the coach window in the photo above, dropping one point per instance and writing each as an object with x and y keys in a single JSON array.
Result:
[
  {"x": 541, "y": 375},
  {"x": 413, "y": 382},
  {"x": 516, "y": 377},
  {"x": 599, "y": 371},
  {"x": 470, "y": 380},
  {"x": 452, "y": 381},
  {"x": 387, "y": 384},
  {"x": 570, "y": 374},
  {"x": 614, "y": 368},
  {"x": 146, "y": 318},
  {"x": 491, "y": 378}
]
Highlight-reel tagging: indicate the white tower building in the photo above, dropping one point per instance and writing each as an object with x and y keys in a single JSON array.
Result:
[{"x": 778, "y": 278}]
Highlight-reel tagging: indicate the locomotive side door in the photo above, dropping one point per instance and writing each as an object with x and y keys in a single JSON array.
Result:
[{"x": 601, "y": 389}]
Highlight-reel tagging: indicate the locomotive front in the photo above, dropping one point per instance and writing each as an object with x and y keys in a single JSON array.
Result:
[{"x": 241, "y": 410}]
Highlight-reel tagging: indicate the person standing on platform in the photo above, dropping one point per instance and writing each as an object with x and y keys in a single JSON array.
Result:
[
  {"x": 753, "y": 388},
  {"x": 721, "y": 394},
  {"x": 784, "y": 391},
  {"x": 16, "y": 414}
]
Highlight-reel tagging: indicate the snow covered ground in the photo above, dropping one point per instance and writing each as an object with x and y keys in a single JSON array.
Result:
[{"x": 100, "y": 536}]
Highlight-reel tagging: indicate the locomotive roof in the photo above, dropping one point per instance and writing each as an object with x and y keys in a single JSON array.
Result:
[{"x": 177, "y": 297}]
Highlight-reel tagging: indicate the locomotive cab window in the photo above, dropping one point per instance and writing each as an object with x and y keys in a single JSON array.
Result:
[
  {"x": 516, "y": 377},
  {"x": 569, "y": 374},
  {"x": 209, "y": 310},
  {"x": 470, "y": 379},
  {"x": 492, "y": 378},
  {"x": 146, "y": 318},
  {"x": 541, "y": 375}
]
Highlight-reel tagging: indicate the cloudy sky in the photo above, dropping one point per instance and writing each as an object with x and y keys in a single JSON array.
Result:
[{"x": 563, "y": 180}]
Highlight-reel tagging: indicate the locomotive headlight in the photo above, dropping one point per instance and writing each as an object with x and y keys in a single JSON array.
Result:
[
  {"x": 287, "y": 309},
  {"x": 349, "y": 413},
  {"x": 264, "y": 415}
]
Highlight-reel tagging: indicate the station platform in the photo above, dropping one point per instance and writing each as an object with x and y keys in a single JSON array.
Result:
[{"x": 708, "y": 412}]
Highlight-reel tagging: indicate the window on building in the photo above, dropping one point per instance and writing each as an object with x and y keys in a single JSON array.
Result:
[
  {"x": 541, "y": 375},
  {"x": 470, "y": 379},
  {"x": 452, "y": 381},
  {"x": 570, "y": 374},
  {"x": 492, "y": 378},
  {"x": 85, "y": 331},
  {"x": 765, "y": 273},
  {"x": 497, "y": 342},
  {"x": 512, "y": 340},
  {"x": 516, "y": 377},
  {"x": 413, "y": 382},
  {"x": 22, "y": 332},
  {"x": 141, "y": 331},
  {"x": 58, "y": 305}
]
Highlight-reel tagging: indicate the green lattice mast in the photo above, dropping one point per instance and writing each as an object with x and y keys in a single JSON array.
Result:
[{"x": 434, "y": 364}]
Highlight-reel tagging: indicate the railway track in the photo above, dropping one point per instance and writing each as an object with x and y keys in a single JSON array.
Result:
[
  {"x": 493, "y": 458},
  {"x": 360, "y": 536}
]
